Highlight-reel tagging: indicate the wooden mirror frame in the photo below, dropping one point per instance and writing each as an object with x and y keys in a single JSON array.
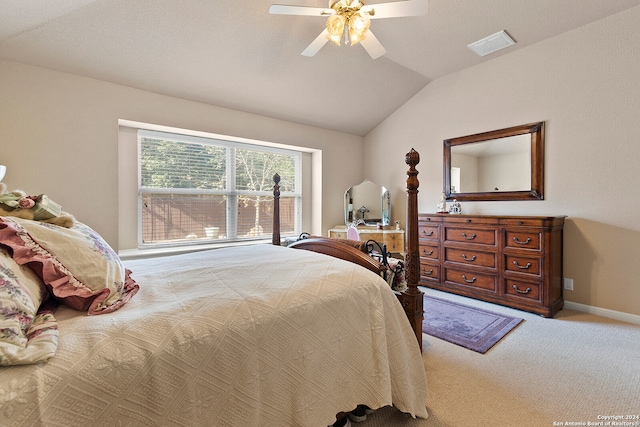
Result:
[{"x": 537, "y": 164}]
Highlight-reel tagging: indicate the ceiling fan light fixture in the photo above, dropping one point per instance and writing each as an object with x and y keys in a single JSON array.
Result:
[
  {"x": 350, "y": 20},
  {"x": 358, "y": 27},
  {"x": 335, "y": 27}
]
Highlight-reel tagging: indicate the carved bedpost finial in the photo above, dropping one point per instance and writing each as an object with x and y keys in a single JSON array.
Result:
[
  {"x": 276, "y": 186},
  {"x": 412, "y": 299},
  {"x": 275, "y": 237},
  {"x": 412, "y": 158}
]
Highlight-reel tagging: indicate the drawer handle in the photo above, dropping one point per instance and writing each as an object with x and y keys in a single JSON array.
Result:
[
  {"x": 515, "y": 239},
  {"x": 473, "y": 258},
  {"x": 526, "y": 291},
  {"x": 524, "y": 267},
  {"x": 427, "y": 253},
  {"x": 427, "y": 272},
  {"x": 467, "y": 280},
  {"x": 427, "y": 234},
  {"x": 473, "y": 236}
]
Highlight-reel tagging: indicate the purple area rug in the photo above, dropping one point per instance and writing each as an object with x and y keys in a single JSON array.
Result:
[{"x": 469, "y": 327}]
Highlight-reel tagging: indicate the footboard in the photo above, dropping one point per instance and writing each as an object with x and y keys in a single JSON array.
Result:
[
  {"x": 341, "y": 250},
  {"x": 412, "y": 298}
]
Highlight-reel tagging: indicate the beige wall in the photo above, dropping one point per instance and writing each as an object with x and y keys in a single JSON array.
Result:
[
  {"x": 585, "y": 85},
  {"x": 59, "y": 136}
]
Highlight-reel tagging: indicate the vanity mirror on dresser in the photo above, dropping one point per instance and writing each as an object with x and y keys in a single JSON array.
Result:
[
  {"x": 514, "y": 261},
  {"x": 368, "y": 205}
]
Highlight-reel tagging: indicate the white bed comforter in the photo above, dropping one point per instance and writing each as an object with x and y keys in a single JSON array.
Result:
[{"x": 251, "y": 336}]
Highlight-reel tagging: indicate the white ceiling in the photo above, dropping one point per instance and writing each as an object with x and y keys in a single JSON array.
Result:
[{"x": 234, "y": 54}]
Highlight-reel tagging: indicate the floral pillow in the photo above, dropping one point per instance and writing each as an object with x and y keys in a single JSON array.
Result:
[
  {"x": 28, "y": 331},
  {"x": 78, "y": 267}
]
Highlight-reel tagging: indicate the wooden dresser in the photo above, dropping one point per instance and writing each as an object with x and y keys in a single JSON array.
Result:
[
  {"x": 394, "y": 239},
  {"x": 515, "y": 261}
]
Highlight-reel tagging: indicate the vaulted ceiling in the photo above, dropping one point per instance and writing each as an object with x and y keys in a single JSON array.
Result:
[{"x": 233, "y": 53}]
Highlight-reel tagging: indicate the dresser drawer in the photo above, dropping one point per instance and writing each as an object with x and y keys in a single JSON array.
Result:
[
  {"x": 471, "y": 279},
  {"x": 472, "y": 220},
  {"x": 394, "y": 241},
  {"x": 431, "y": 232},
  {"x": 337, "y": 234},
  {"x": 365, "y": 235},
  {"x": 522, "y": 265},
  {"x": 522, "y": 289},
  {"x": 523, "y": 239},
  {"x": 540, "y": 221},
  {"x": 429, "y": 252},
  {"x": 471, "y": 235},
  {"x": 429, "y": 272},
  {"x": 470, "y": 257}
]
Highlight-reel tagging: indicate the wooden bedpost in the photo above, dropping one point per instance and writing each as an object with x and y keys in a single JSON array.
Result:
[
  {"x": 275, "y": 238},
  {"x": 412, "y": 297}
]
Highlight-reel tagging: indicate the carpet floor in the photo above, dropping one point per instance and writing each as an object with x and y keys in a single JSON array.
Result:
[{"x": 575, "y": 368}]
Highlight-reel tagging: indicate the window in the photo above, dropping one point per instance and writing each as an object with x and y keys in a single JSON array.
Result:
[{"x": 195, "y": 190}]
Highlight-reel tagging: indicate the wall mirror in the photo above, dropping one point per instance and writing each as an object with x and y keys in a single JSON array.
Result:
[
  {"x": 367, "y": 201},
  {"x": 504, "y": 164}
]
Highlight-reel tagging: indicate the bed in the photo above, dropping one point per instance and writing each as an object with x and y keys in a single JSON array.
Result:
[{"x": 207, "y": 339}]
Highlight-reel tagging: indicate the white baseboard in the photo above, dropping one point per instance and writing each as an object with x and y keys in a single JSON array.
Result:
[{"x": 605, "y": 312}]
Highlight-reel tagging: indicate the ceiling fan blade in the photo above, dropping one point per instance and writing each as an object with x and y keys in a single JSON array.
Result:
[
  {"x": 317, "y": 44},
  {"x": 396, "y": 9},
  {"x": 281, "y": 9},
  {"x": 371, "y": 44}
]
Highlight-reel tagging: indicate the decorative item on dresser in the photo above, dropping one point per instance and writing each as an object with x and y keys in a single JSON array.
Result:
[{"x": 515, "y": 261}]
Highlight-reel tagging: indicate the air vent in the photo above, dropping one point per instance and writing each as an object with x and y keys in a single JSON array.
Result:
[{"x": 492, "y": 43}]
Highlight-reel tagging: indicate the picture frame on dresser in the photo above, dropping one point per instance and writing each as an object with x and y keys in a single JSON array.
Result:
[{"x": 515, "y": 261}]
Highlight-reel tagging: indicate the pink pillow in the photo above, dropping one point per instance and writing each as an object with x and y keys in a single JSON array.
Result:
[{"x": 78, "y": 267}]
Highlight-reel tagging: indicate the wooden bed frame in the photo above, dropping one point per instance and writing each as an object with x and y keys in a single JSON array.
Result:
[{"x": 412, "y": 298}]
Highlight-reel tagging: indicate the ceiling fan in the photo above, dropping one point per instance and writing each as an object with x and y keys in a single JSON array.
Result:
[{"x": 349, "y": 20}]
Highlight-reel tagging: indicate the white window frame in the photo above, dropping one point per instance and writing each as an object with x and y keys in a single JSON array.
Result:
[{"x": 229, "y": 191}]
